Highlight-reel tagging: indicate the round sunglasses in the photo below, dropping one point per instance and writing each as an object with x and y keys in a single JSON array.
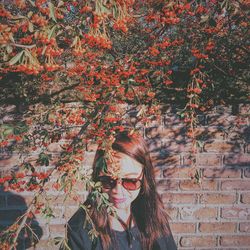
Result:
[{"x": 130, "y": 184}]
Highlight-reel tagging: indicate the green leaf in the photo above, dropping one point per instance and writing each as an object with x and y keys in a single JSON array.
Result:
[
  {"x": 105, "y": 196},
  {"x": 52, "y": 11},
  {"x": 204, "y": 18},
  {"x": 58, "y": 240},
  {"x": 7, "y": 131},
  {"x": 98, "y": 184},
  {"x": 11, "y": 38},
  {"x": 32, "y": 3},
  {"x": 52, "y": 31},
  {"x": 5, "y": 57},
  {"x": 9, "y": 49},
  {"x": 16, "y": 58},
  {"x": 33, "y": 59},
  {"x": 30, "y": 14},
  {"x": 18, "y": 17},
  {"x": 74, "y": 41},
  {"x": 20, "y": 128},
  {"x": 60, "y": 3},
  {"x": 44, "y": 159},
  {"x": 104, "y": 9},
  {"x": 31, "y": 27},
  {"x": 44, "y": 49}
]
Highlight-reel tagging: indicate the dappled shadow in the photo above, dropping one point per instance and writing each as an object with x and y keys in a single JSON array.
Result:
[
  {"x": 222, "y": 134},
  {"x": 12, "y": 207},
  {"x": 223, "y": 140}
]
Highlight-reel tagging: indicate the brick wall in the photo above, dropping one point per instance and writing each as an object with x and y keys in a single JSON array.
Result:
[{"x": 214, "y": 214}]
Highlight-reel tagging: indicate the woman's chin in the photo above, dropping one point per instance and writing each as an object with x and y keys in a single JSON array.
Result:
[{"x": 121, "y": 205}]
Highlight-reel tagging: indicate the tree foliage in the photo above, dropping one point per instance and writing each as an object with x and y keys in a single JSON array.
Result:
[{"x": 74, "y": 67}]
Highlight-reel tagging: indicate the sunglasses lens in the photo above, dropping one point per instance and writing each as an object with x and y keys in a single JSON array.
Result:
[
  {"x": 131, "y": 184},
  {"x": 107, "y": 182}
]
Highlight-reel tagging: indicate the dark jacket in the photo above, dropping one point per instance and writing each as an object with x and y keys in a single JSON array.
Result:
[{"x": 78, "y": 237}]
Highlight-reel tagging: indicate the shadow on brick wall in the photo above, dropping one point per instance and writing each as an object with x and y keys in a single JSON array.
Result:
[{"x": 12, "y": 207}]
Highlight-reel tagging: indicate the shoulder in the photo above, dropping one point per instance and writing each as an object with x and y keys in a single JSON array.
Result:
[
  {"x": 78, "y": 220},
  {"x": 165, "y": 242},
  {"x": 78, "y": 229}
]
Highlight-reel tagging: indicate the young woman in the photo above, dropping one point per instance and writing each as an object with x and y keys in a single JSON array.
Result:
[{"x": 139, "y": 220}]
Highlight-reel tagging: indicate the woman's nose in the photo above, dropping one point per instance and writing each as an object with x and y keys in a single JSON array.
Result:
[{"x": 118, "y": 187}]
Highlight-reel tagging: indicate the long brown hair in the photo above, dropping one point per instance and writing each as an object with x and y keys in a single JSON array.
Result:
[{"x": 147, "y": 209}]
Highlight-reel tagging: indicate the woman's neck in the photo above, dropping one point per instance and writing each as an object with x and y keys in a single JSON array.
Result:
[{"x": 122, "y": 214}]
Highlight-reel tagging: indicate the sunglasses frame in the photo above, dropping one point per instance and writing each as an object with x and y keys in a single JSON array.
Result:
[{"x": 114, "y": 182}]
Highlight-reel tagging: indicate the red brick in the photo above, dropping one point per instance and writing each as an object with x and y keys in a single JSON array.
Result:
[
  {"x": 237, "y": 159},
  {"x": 173, "y": 212},
  {"x": 56, "y": 147},
  {"x": 245, "y": 198},
  {"x": 177, "y": 146},
  {"x": 166, "y": 185},
  {"x": 218, "y": 198},
  {"x": 59, "y": 200},
  {"x": 179, "y": 228},
  {"x": 187, "y": 159},
  {"x": 92, "y": 147},
  {"x": 45, "y": 244},
  {"x": 221, "y": 119},
  {"x": 205, "y": 159},
  {"x": 198, "y": 241},
  {"x": 235, "y": 185},
  {"x": 244, "y": 227},
  {"x": 153, "y": 132},
  {"x": 57, "y": 212},
  {"x": 171, "y": 160},
  {"x": 172, "y": 133},
  {"x": 221, "y": 147},
  {"x": 57, "y": 229},
  {"x": 217, "y": 227},
  {"x": 177, "y": 172},
  {"x": 247, "y": 148},
  {"x": 235, "y": 135},
  {"x": 191, "y": 213},
  {"x": 157, "y": 173},
  {"x": 247, "y": 172},
  {"x": 189, "y": 185},
  {"x": 222, "y": 173},
  {"x": 69, "y": 211},
  {"x": 155, "y": 146},
  {"x": 88, "y": 159},
  {"x": 179, "y": 198},
  {"x": 7, "y": 164},
  {"x": 223, "y": 110},
  {"x": 209, "y": 133},
  {"x": 235, "y": 240},
  {"x": 172, "y": 119},
  {"x": 235, "y": 213}
]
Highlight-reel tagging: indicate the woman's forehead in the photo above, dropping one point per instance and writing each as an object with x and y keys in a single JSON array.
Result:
[{"x": 126, "y": 165}]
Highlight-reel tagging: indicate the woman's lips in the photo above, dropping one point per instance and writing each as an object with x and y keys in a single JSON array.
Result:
[{"x": 118, "y": 200}]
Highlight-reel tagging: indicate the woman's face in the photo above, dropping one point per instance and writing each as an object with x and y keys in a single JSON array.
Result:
[{"x": 129, "y": 168}]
